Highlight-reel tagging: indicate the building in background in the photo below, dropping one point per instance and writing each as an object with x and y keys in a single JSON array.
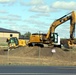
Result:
[{"x": 5, "y": 33}]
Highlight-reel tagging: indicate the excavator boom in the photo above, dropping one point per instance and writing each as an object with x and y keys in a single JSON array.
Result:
[{"x": 71, "y": 16}]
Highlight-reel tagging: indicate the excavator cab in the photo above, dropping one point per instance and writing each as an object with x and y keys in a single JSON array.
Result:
[{"x": 55, "y": 39}]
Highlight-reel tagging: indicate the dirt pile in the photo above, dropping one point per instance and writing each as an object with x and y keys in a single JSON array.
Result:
[
  {"x": 31, "y": 51},
  {"x": 36, "y": 55},
  {"x": 60, "y": 54},
  {"x": 42, "y": 52}
]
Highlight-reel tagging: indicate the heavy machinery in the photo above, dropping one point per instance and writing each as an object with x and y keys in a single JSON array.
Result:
[
  {"x": 52, "y": 37},
  {"x": 14, "y": 42},
  {"x": 36, "y": 39}
]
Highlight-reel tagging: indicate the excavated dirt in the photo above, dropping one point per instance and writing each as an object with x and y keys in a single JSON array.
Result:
[
  {"x": 43, "y": 52},
  {"x": 34, "y": 53}
]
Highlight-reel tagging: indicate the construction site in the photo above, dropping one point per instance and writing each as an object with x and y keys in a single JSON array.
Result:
[
  {"x": 38, "y": 56},
  {"x": 42, "y": 49}
]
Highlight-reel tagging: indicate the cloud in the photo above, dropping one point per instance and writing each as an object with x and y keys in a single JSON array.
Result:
[
  {"x": 3, "y": 11},
  {"x": 10, "y": 23},
  {"x": 23, "y": 29},
  {"x": 3, "y": 17},
  {"x": 10, "y": 18},
  {"x": 40, "y": 15},
  {"x": 54, "y": 7},
  {"x": 37, "y": 25},
  {"x": 14, "y": 27},
  {"x": 64, "y": 5},
  {"x": 14, "y": 19},
  {"x": 38, "y": 6},
  {"x": 6, "y": 1},
  {"x": 36, "y": 2},
  {"x": 13, "y": 15},
  {"x": 42, "y": 8},
  {"x": 62, "y": 29},
  {"x": 36, "y": 22},
  {"x": 32, "y": 2}
]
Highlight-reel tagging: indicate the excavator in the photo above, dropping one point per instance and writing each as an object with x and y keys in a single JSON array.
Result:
[
  {"x": 14, "y": 42},
  {"x": 51, "y": 37}
]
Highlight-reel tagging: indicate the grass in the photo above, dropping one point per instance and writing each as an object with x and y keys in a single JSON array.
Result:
[{"x": 3, "y": 44}]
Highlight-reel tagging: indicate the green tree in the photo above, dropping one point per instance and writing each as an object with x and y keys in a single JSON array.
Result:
[
  {"x": 27, "y": 35},
  {"x": 21, "y": 36}
]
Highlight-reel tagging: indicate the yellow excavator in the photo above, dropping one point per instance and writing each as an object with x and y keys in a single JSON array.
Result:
[
  {"x": 36, "y": 39},
  {"x": 51, "y": 37}
]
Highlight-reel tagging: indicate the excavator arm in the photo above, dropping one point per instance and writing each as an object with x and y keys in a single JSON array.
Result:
[
  {"x": 72, "y": 24},
  {"x": 71, "y": 16}
]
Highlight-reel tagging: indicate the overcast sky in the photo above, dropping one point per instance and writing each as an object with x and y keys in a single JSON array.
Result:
[{"x": 35, "y": 15}]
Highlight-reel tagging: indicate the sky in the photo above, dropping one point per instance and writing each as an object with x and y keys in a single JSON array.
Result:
[{"x": 35, "y": 15}]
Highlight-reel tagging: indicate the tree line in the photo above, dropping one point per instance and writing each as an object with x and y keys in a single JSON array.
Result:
[{"x": 26, "y": 35}]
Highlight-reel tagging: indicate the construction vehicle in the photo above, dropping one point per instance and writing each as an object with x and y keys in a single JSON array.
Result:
[
  {"x": 14, "y": 42},
  {"x": 36, "y": 39},
  {"x": 51, "y": 37}
]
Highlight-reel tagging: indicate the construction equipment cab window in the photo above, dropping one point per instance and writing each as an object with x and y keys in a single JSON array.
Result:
[
  {"x": 54, "y": 37},
  {"x": 13, "y": 40}
]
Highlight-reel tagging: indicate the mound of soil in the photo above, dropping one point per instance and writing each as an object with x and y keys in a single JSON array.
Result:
[{"x": 42, "y": 52}]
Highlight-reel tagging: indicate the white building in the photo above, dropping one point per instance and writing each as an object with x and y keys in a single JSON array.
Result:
[{"x": 5, "y": 33}]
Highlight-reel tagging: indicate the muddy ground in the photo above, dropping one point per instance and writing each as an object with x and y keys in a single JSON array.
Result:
[{"x": 38, "y": 56}]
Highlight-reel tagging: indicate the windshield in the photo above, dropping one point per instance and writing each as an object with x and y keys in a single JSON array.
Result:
[{"x": 13, "y": 40}]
